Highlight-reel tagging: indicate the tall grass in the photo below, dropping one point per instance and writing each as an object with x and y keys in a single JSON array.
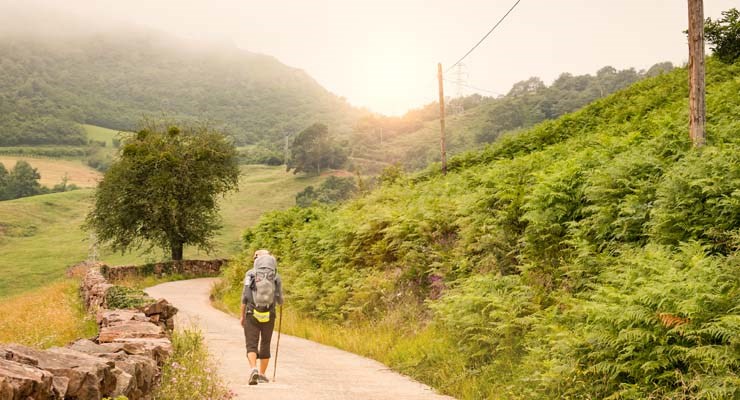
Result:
[{"x": 49, "y": 316}]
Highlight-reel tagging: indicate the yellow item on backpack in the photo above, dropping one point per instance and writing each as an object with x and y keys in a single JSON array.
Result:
[{"x": 261, "y": 316}]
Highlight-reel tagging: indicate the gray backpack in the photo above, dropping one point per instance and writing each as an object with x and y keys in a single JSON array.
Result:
[{"x": 263, "y": 289}]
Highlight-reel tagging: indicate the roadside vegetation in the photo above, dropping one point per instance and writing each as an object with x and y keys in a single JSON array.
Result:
[
  {"x": 190, "y": 373},
  {"x": 594, "y": 256}
]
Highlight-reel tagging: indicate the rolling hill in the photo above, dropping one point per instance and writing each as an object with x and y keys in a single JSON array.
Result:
[{"x": 52, "y": 83}]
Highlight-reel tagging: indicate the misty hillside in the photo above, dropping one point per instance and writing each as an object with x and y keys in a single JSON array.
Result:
[
  {"x": 49, "y": 85},
  {"x": 474, "y": 121}
]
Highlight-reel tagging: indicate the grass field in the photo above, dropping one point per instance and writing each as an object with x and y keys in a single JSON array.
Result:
[
  {"x": 53, "y": 170},
  {"x": 40, "y": 236},
  {"x": 101, "y": 134}
]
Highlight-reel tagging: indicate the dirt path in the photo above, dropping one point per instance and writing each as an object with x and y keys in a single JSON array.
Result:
[{"x": 306, "y": 370}]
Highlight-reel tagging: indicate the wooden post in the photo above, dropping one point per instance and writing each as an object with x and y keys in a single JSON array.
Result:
[
  {"x": 697, "y": 88},
  {"x": 442, "y": 119}
]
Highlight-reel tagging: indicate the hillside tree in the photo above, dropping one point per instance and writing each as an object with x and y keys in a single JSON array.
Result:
[
  {"x": 162, "y": 191},
  {"x": 724, "y": 35},
  {"x": 314, "y": 149},
  {"x": 23, "y": 181},
  {"x": 3, "y": 182}
]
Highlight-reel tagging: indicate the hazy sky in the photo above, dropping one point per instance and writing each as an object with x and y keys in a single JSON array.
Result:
[{"x": 382, "y": 54}]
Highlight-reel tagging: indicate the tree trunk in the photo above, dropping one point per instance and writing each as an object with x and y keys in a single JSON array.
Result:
[{"x": 176, "y": 251}]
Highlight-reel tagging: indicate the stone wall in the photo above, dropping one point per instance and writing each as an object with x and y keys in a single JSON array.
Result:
[
  {"x": 124, "y": 359},
  {"x": 187, "y": 268}
]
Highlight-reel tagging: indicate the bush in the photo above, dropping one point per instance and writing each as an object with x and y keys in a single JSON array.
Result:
[
  {"x": 260, "y": 155},
  {"x": 332, "y": 190},
  {"x": 124, "y": 297},
  {"x": 99, "y": 160},
  {"x": 487, "y": 315},
  {"x": 619, "y": 197},
  {"x": 699, "y": 199}
]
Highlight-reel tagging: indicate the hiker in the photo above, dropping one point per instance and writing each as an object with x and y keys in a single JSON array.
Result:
[{"x": 262, "y": 290}]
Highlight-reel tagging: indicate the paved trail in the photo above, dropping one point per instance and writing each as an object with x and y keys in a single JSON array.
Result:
[{"x": 306, "y": 370}]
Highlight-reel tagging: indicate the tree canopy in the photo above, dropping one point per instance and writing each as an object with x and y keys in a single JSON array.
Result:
[
  {"x": 21, "y": 181},
  {"x": 724, "y": 35},
  {"x": 162, "y": 191},
  {"x": 314, "y": 149}
]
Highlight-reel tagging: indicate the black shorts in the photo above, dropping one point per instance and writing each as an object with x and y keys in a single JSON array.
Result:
[{"x": 258, "y": 335}]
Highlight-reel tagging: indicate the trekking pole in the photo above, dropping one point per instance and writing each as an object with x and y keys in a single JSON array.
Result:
[{"x": 277, "y": 346}]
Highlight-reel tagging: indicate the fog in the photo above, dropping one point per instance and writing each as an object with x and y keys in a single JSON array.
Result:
[{"x": 382, "y": 54}]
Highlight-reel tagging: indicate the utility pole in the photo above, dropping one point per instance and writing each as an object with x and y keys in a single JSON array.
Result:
[
  {"x": 442, "y": 119},
  {"x": 697, "y": 87}
]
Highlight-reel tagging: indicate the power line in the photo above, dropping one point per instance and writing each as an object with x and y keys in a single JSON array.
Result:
[
  {"x": 484, "y": 37},
  {"x": 474, "y": 88}
]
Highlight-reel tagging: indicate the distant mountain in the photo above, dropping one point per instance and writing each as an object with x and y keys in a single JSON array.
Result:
[{"x": 49, "y": 85}]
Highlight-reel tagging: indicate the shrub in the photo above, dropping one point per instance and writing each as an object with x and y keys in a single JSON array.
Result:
[
  {"x": 620, "y": 196},
  {"x": 332, "y": 190},
  {"x": 487, "y": 315},
  {"x": 124, "y": 297},
  {"x": 699, "y": 199}
]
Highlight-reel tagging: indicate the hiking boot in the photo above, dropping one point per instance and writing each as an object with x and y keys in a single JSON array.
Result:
[
  {"x": 262, "y": 379},
  {"x": 254, "y": 377}
]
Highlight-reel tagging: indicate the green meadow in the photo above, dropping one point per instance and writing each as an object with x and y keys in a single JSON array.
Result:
[
  {"x": 41, "y": 236},
  {"x": 101, "y": 134}
]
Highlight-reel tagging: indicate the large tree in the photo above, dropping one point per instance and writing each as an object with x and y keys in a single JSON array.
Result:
[
  {"x": 724, "y": 35},
  {"x": 23, "y": 181},
  {"x": 163, "y": 190},
  {"x": 314, "y": 149}
]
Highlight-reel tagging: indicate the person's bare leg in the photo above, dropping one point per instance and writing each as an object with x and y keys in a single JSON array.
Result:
[
  {"x": 252, "y": 357},
  {"x": 263, "y": 365}
]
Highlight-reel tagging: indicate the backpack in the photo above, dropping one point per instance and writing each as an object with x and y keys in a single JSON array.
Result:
[{"x": 263, "y": 286}]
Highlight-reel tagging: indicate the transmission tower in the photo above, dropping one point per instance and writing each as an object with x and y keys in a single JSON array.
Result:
[{"x": 461, "y": 80}]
